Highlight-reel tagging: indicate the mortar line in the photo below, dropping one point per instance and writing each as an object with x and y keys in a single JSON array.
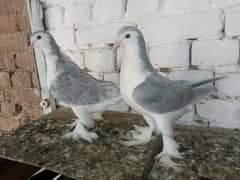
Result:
[{"x": 190, "y": 53}]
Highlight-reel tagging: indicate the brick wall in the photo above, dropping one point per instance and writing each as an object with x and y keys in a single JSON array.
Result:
[
  {"x": 18, "y": 101},
  {"x": 186, "y": 39}
]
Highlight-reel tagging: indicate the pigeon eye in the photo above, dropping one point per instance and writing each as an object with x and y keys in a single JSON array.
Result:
[
  {"x": 39, "y": 37},
  {"x": 127, "y": 36}
]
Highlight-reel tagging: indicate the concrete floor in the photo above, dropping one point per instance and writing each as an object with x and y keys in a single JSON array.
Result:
[{"x": 210, "y": 154}]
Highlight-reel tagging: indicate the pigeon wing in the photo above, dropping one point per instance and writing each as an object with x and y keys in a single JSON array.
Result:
[
  {"x": 75, "y": 87},
  {"x": 161, "y": 95}
]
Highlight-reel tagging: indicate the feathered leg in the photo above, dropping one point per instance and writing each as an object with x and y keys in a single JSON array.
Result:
[
  {"x": 170, "y": 147},
  {"x": 97, "y": 116},
  {"x": 84, "y": 119},
  {"x": 142, "y": 135}
]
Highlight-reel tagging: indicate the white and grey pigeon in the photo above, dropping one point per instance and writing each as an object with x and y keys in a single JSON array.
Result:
[
  {"x": 73, "y": 87},
  {"x": 159, "y": 100}
]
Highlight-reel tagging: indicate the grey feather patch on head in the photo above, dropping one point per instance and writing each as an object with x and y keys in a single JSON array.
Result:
[
  {"x": 128, "y": 28},
  {"x": 53, "y": 44},
  {"x": 142, "y": 50},
  {"x": 41, "y": 32}
]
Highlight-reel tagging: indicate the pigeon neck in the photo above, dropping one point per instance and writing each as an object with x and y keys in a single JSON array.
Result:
[
  {"x": 52, "y": 53},
  {"x": 52, "y": 58},
  {"x": 51, "y": 49},
  {"x": 138, "y": 50}
]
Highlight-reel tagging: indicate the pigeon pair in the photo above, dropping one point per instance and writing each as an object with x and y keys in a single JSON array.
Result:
[{"x": 159, "y": 100}]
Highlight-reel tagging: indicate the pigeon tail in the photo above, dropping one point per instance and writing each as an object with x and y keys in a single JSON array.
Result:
[{"x": 206, "y": 81}]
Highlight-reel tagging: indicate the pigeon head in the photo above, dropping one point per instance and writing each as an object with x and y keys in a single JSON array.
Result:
[
  {"x": 41, "y": 39},
  {"x": 128, "y": 35}
]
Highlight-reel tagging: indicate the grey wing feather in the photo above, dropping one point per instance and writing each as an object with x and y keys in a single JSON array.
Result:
[
  {"x": 161, "y": 95},
  {"x": 75, "y": 87},
  {"x": 183, "y": 82},
  {"x": 206, "y": 81},
  {"x": 199, "y": 83}
]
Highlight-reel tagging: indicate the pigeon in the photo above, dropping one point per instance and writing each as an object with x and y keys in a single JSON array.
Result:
[
  {"x": 160, "y": 100},
  {"x": 73, "y": 87}
]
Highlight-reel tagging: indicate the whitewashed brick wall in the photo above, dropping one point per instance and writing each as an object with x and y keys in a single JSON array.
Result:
[{"x": 186, "y": 39}]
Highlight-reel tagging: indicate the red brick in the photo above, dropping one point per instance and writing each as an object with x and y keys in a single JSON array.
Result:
[
  {"x": 23, "y": 117},
  {"x": 14, "y": 22},
  {"x": 25, "y": 60},
  {"x": 8, "y": 23},
  {"x": 35, "y": 113},
  {"x": 1, "y": 95},
  {"x": 23, "y": 22},
  {"x": 165, "y": 69},
  {"x": 9, "y": 124},
  {"x": 29, "y": 114},
  {"x": 10, "y": 109},
  {"x": 21, "y": 79},
  {"x": 5, "y": 80},
  {"x": 22, "y": 96},
  {"x": 13, "y": 42},
  {"x": 9, "y": 6},
  {"x": 7, "y": 62}
]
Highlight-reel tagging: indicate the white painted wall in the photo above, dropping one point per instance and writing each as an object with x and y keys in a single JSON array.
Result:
[{"x": 195, "y": 39}]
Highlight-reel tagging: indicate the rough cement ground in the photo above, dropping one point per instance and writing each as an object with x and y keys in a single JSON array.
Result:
[{"x": 210, "y": 154}]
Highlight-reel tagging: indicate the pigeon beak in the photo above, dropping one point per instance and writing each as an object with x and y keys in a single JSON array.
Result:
[
  {"x": 32, "y": 44},
  {"x": 116, "y": 45}
]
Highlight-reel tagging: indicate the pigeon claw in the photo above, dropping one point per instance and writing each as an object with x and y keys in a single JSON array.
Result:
[{"x": 90, "y": 136}]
